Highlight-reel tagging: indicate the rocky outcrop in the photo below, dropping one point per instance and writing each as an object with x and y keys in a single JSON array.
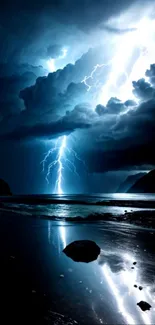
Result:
[
  {"x": 129, "y": 182},
  {"x": 4, "y": 188},
  {"x": 145, "y": 184}
]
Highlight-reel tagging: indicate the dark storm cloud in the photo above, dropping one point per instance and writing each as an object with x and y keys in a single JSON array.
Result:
[
  {"x": 28, "y": 26},
  {"x": 12, "y": 69},
  {"x": 100, "y": 109},
  {"x": 76, "y": 119},
  {"x": 114, "y": 106},
  {"x": 130, "y": 103},
  {"x": 143, "y": 89},
  {"x": 124, "y": 143},
  {"x": 63, "y": 89},
  {"x": 52, "y": 51},
  {"x": 45, "y": 98},
  {"x": 13, "y": 78},
  {"x": 150, "y": 73},
  {"x": 115, "y": 30}
]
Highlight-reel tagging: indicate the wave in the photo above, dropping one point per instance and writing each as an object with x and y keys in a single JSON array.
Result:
[{"x": 37, "y": 200}]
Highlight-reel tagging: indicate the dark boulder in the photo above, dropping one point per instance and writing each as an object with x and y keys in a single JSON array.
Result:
[
  {"x": 144, "y": 305},
  {"x": 82, "y": 251},
  {"x": 4, "y": 188}
]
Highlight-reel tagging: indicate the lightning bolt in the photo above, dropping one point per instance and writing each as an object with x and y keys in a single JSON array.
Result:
[
  {"x": 60, "y": 164},
  {"x": 65, "y": 157},
  {"x": 142, "y": 39}
]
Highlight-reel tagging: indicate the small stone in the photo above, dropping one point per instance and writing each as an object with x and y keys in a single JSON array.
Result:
[
  {"x": 61, "y": 275},
  {"x": 134, "y": 263},
  {"x": 140, "y": 288},
  {"x": 132, "y": 268},
  {"x": 144, "y": 305},
  {"x": 33, "y": 291},
  {"x": 125, "y": 211},
  {"x": 135, "y": 285},
  {"x": 80, "y": 282}
]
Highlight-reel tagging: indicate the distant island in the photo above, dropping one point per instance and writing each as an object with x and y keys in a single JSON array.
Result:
[
  {"x": 145, "y": 184},
  {"x": 4, "y": 188},
  {"x": 129, "y": 182}
]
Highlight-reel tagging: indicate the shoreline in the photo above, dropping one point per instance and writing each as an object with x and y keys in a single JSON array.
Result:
[
  {"x": 143, "y": 218},
  {"x": 40, "y": 282}
]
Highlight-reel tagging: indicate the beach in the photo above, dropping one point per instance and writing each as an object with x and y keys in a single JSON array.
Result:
[{"x": 41, "y": 285}]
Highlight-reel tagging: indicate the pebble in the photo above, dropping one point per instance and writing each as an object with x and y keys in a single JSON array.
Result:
[
  {"x": 61, "y": 275},
  {"x": 80, "y": 281},
  {"x": 144, "y": 305},
  {"x": 135, "y": 285},
  {"x": 134, "y": 263},
  {"x": 140, "y": 288}
]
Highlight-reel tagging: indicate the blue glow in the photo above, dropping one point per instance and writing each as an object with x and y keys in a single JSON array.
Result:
[{"x": 65, "y": 158}]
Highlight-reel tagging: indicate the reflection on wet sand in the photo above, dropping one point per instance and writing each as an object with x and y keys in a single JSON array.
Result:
[
  {"x": 108, "y": 275},
  {"x": 117, "y": 273}
]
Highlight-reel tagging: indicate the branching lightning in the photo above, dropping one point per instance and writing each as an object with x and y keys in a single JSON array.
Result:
[
  {"x": 141, "y": 37},
  {"x": 60, "y": 164},
  {"x": 65, "y": 157}
]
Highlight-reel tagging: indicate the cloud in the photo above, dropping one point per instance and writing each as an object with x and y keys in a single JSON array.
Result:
[
  {"x": 25, "y": 32},
  {"x": 100, "y": 109},
  {"x": 150, "y": 73},
  {"x": 118, "y": 31},
  {"x": 143, "y": 89},
  {"x": 76, "y": 119}
]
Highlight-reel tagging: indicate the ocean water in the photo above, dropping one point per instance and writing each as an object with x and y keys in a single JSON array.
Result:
[
  {"x": 66, "y": 206},
  {"x": 41, "y": 285}
]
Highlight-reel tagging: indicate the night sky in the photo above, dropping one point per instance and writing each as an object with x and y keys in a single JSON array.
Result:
[{"x": 83, "y": 70}]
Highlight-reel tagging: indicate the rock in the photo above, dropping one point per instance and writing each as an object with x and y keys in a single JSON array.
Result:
[
  {"x": 128, "y": 182},
  {"x": 4, "y": 188},
  {"x": 132, "y": 268},
  {"x": 135, "y": 285},
  {"x": 125, "y": 211},
  {"x": 140, "y": 288},
  {"x": 33, "y": 291},
  {"x": 134, "y": 263},
  {"x": 61, "y": 275},
  {"x": 82, "y": 251},
  {"x": 145, "y": 184},
  {"x": 144, "y": 305},
  {"x": 80, "y": 282}
]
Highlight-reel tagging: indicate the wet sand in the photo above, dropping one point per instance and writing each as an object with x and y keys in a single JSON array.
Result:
[{"x": 41, "y": 285}]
